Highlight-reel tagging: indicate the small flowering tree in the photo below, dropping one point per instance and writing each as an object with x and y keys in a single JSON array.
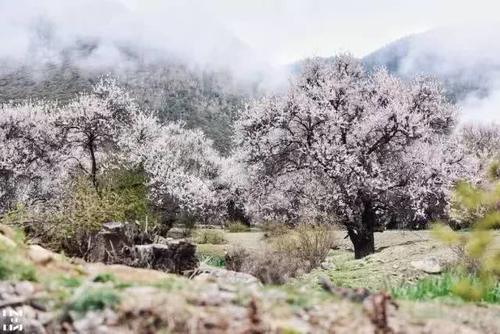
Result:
[
  {"x": 482, "y": 140},
  {"x": 90, "y": 126},
  {"x": 44, "y": 145},
  {"x": 184, "y": 171},
  {"x": 29, "y": 152},
  {"x": 357, "y": 146}
]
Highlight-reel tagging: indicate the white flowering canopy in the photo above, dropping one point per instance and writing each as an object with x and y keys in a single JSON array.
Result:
[
  {"x": 359, "y": 146},
  {"x": 45, "y": 144}
]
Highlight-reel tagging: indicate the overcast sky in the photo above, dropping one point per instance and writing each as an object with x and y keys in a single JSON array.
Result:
[
  {"x": 250, "y": 37},
  {"x": 283, "y": 31},
  {"x": 277, "y": 31}
]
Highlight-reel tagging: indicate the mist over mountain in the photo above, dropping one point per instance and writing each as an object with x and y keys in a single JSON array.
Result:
[
  {"x": 186, "y": 65},
  {"x": 198, "y": 74},
  {"x": 465, "y": 58}
]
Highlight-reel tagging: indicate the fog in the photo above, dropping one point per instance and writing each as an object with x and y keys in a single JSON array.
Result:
[
  {"x": 36, "y": 32},
  {"x": 468, "y": 58},
  {"x": 255, "y": 39}
]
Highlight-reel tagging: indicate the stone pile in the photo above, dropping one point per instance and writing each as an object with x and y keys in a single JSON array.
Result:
[{"x": 114, "y": 245}]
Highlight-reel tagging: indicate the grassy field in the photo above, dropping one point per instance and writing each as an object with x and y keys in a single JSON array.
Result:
[
  {"x": 420, "y": 295},
  {"x": 389, "y": 269},
  {"x": 390, "y": 264}
]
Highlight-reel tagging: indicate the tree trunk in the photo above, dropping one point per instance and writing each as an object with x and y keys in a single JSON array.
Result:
[
  {"x": 93, "y": 171},
  {"x": 362, "y": 237}
]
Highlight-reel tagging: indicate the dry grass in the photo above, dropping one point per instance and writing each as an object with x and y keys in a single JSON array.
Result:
[
  {"x": 308, "y": 243},
  {"x": 284, "y": 256},
  {"x": 209, "y": 236}
]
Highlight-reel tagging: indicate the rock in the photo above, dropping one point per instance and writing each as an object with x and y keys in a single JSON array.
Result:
[
  {"x": 108, "y": 244},
  {"x": 40, "y": 255},
  {"x": 328, "y": 266},
  {"x": 115, "y": 244},
  {"x": 7, "y": 231},
  {"x": 33, "y": 326},
  {"x": 430, "y": 265},
  {"x": 224, "y": 276},
  {"x": 24, "y": 289},
  {"x": 5, "y": 241},
  {"x": 92, "y": 322},
  {"x": 176, "y": 256}
]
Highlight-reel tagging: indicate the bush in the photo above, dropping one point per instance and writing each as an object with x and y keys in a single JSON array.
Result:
[
  {"x": 448, "y": 285},
  {"x": 209, "y": 236},
  {"x": 291, "y": 254},
  {"x": 84, "y": 211},
  {"x": 121, "y": 196},
  {"x": 12, "y": 265},
  {"x": 479, "y": 255},
  {"x": 308, "y": 243},
  {"x": 213, "y": 261},
  {"x": 235, "y": 258},
  {"x": 236, "y": 227},
  {"x": 274, "y": 228},
  {"x": 94, "y": 299},
  {"x": 272, "y": 267},
  {"x": 268, "y": 265}
]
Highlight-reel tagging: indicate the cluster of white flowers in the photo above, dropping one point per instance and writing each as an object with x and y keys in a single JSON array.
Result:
[
  {"x": 366, "y": 148},
  {"x": 180, "y": 163},
  {"x": 346, "y": 142},
  {"x": 45, "y": 144}
]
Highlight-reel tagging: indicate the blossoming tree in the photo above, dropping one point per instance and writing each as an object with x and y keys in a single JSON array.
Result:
[
  {"x": 362, "y": 147},
  {"x": 44, "y": 145}
]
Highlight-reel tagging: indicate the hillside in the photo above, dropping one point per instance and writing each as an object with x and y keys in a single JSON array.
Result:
[
  {"x": 204, "y": 98},
  {"x": 57, "y": 295},
  {"x": 465, "y": 59}
]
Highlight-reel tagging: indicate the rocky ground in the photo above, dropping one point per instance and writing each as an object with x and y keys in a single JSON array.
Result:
[{"x": 66, "y": 296}]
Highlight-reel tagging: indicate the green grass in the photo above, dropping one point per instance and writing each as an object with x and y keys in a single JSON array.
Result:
[
  {"x": 11, "y": 269},
  {"x": 95, "y": 299},
  {"x": 447, "y": 286},
  {"x": 214, "y": 261},
  {"x": 13, "y": 266},
  {"x": 348, "y": 273},
  {"x": 70, "y": 282},
  {"x": 104, "y": 277}
]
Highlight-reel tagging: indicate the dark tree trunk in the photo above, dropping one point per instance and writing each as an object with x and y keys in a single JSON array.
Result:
[
  {"x": 93, "y": 172},
  {"x": 237, "y": 213},
  {"x": 362, "y": 237}
]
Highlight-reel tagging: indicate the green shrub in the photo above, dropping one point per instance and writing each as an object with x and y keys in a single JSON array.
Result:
[
  {"x": 478, "y": 251},
  {"x": 451, "y": 285},
  {"x": 130, "y": 186},
  {"x": 209, "y": 236},
  {"x": 236, "y": 227},
  {"x": 70, "y": 282},
  {"x": 94, "y": 299},
  {"x": 12, "y": 264},
  {"x": 13, "y": 268},
  {"x": 104, "y": 277},
  {"x": 214, "y": 261},
  {"x": 67, "y": 226}
]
